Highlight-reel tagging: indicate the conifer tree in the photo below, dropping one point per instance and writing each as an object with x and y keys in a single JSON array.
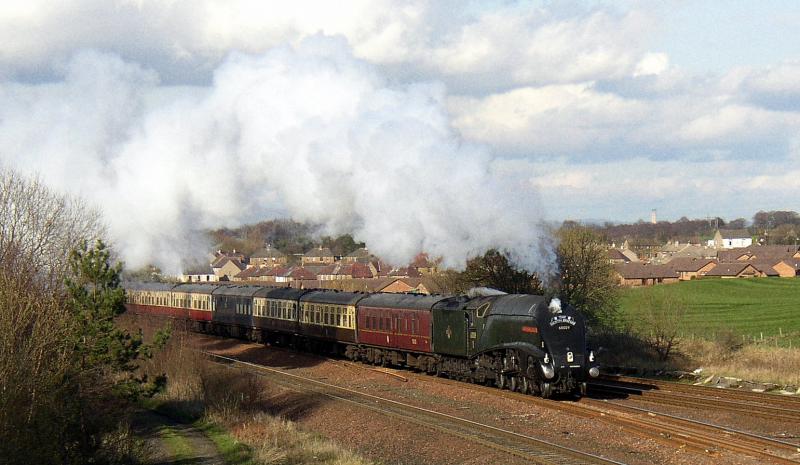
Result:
[{"x": 106, "y": 357}]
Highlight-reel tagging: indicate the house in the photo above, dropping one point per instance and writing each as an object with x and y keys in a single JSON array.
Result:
[
  {"x": 406, "y": 285},
  {"x": 734, "y": 270},
  {"x": 226, "y": 268},
  {"x": 788, "y": 268},
  {"x": 271, "y": 274},
  {"x": 295, "y": 273},
  {"x": 766, "y": 268},
  {"x": 690, "y": 268},
  {"x": 424, "y": 264},
  {"x": 734, "y": 255},
  {"x": 686, "y": 250},
  {"x": 616, "y": 256},
  {"x": 219, "y": 255},
  {"x": 198, "y": 275},
  {"x": 318, "y": 256},
  {"x": 731, "y": 239},
  {"x": 360, "y": 255},
  {"x": 405, "y": 272},
  {"x": 247, "y": 274},
  {"x": 638, "y": 274},
  {"x": 268, "y": 256}
]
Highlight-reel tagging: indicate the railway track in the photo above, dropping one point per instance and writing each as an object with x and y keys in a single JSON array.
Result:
[
  {"x": 791, "y": 402},
  {"x": 667, "y": 429},
  {"x": 529, "y": 448},
  {"x": 763, "y": 406}
]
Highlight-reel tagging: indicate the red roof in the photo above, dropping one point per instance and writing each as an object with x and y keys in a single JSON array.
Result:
[{"x": 299, "y": 273}]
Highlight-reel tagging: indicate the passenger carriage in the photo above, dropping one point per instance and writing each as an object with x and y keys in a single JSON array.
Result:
[
  {"x": 276, "y": 312},
  {"x": 329, "y": 315},
  {"x": 149, "y": 298},
  {"x": 233, "y": 310}
]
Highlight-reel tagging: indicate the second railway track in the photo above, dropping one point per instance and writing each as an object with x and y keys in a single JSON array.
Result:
[{"x": 529, "y": 448}]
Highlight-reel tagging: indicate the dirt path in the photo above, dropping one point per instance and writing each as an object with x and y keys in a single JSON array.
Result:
[{"x": 168, "y": 442}]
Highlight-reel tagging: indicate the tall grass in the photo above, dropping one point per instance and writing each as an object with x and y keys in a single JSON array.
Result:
[{"x": 208, "y": 394}]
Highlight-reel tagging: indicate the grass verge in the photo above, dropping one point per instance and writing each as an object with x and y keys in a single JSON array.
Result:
[{"x": 237, "y": 410}]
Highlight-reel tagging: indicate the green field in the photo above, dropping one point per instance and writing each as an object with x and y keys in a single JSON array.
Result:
[{"x": 753, "y": 309}]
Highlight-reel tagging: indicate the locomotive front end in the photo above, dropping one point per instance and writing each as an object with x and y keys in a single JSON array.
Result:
[{"x": 567, "y": 363}]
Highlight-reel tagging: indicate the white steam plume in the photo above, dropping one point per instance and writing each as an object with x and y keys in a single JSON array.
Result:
[{"x": 308, "y": 131}]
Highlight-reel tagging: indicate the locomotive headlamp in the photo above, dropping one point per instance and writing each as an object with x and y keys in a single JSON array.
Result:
[
  {"x": 546, "y": 358},
  {"x": 594, "y": 372},
  {"x": 591, "y": 356}
]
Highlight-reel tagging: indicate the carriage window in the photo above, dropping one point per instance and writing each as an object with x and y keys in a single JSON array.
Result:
[{"x": 338, "y": 317}]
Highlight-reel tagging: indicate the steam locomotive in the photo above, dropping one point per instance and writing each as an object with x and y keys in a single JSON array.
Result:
[{"x": 514, "y": 341}]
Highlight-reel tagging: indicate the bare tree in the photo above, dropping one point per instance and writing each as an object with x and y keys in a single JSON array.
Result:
[
  {"x": 586, "y": 275},
  {"x": 660, "y": 319},
  {"x": 39, "y": 227}
]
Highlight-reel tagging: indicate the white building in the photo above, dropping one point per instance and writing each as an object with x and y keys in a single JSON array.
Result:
[{"x": 731, "y": 239}]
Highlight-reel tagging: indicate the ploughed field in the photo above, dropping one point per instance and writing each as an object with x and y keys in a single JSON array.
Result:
[{"x": 755, "y": 308}]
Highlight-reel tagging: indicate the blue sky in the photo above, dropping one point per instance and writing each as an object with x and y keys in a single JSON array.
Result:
[
  {"x": 715, "y": 36},
  {"x": 604, "y": 110}
]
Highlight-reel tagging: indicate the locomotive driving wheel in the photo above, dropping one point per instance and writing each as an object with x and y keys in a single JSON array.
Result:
[
  {"x": 525, "y": 385},
  {"x": 547, "y": 390}
]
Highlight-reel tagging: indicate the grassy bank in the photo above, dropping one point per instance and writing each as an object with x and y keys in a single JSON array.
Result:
[
  {"x": 745, "y": 328},
  {"x": 763, "y": 310},
  {"x": 233, "y": 408}
]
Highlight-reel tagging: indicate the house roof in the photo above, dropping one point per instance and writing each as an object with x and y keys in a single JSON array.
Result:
[
  {"x": 735, "y": 234},
  {"x": 322, "y": 269},
  {"x": 794, "y": 263},
  {"x": 733, "y": 255},
  {"x": 268, "y": 252},
  {"x": 689, "y": 264},
  {"x": 319, "y": 252},
  {"x": 616, "y": 254},
  {"x": 298, "y": 272},
  {"x": 277, "y": 271},
  {"x": 730, "y": 269},
  {"x": 361, "y": 252},
  {"x": 360, "y": 270},
  {"x": 224, "y": 260},
  {"x": 248, "y": 272},
  {"x": 405, "y": 271},
  {"x": 765, "y": 267},
  {"x": 644, "y": 271}
]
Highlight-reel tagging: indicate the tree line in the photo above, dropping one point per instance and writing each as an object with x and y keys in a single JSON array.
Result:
[
  {"x": 68, "y": 375},
  {"x": 769, "y": 227}
]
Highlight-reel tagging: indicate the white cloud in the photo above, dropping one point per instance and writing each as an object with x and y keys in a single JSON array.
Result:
[
  {"x": 573, "y": 88},
  {"x": 183, "y": 39}
]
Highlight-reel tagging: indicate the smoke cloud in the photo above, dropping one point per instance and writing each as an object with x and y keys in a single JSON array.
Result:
[{"x": 307, "y": 131}]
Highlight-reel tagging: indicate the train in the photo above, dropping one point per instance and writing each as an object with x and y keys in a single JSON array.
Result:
[{"x": 525, "y": 343}]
